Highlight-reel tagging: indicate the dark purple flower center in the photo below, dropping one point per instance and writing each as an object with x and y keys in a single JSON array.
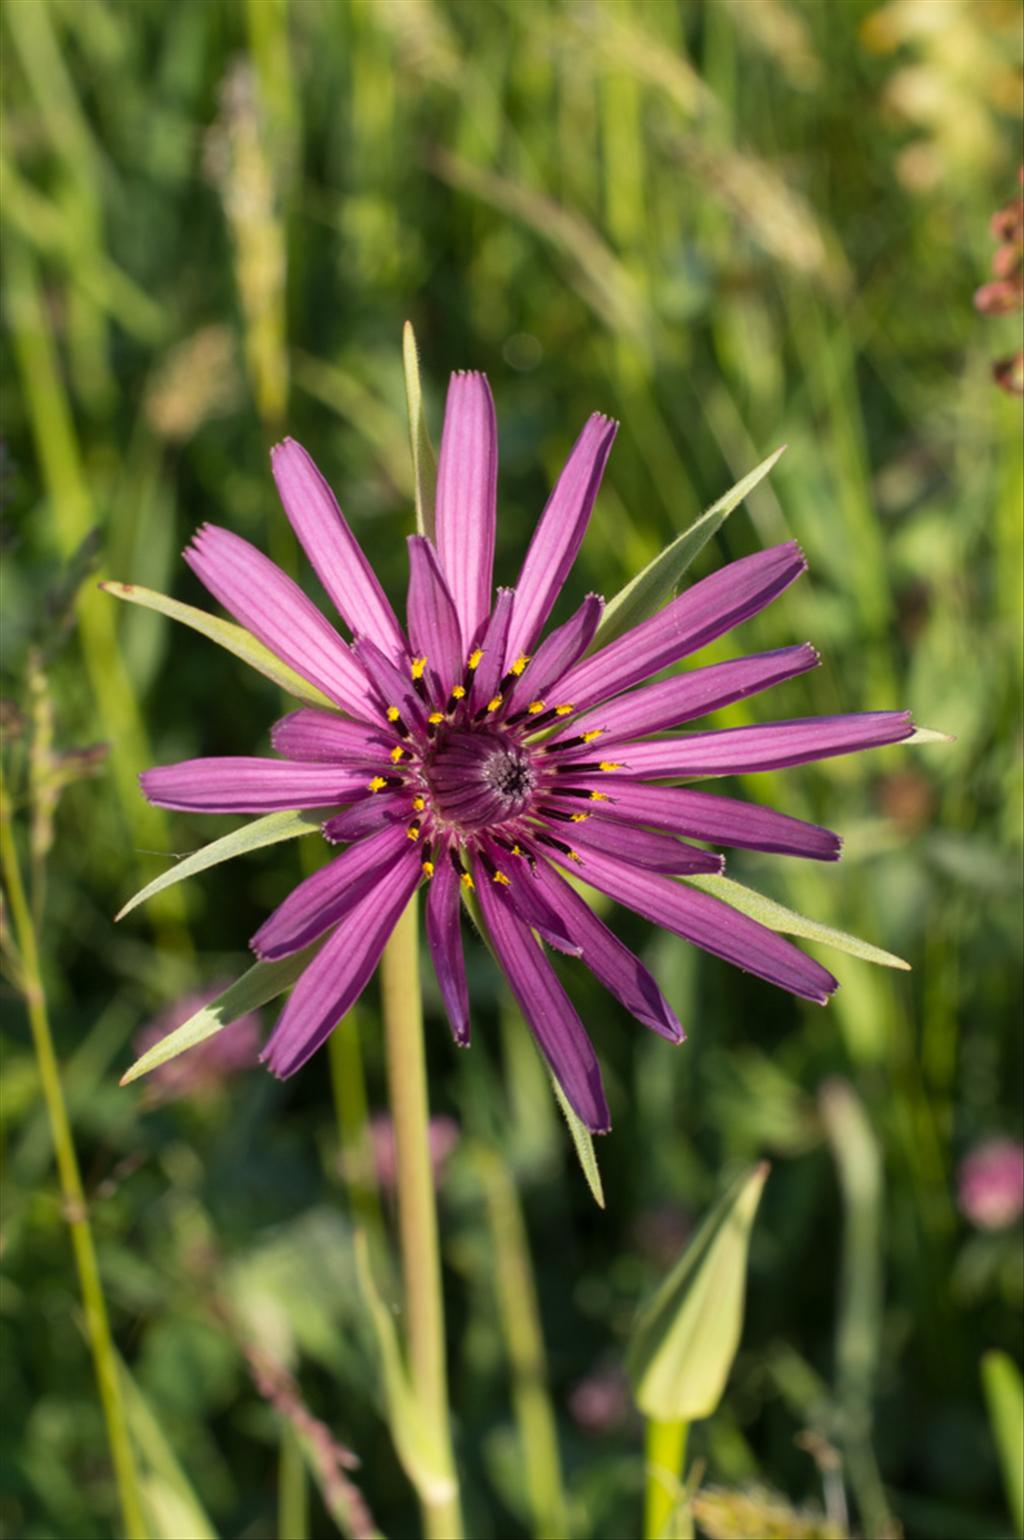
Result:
[{"x": 478, "y": 778}]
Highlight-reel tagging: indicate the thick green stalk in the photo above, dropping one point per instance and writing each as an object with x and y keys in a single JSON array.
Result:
[
  {"x": 666, "y": 1450},
  {"x": 417, "y": 1207},
  {"x": 96, "y": 1323}
]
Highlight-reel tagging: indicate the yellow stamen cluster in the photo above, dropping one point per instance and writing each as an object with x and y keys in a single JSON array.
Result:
[
  {"x": 419, "y": 803},
  {"x": 579, "y": 817},
  {"x": 467, "y": 882},
  {"x": 413, "y": 831},
  {"x": 520, "y": 663},
  {"x": 417, "y": 666},
  {"x": 595, "y": 732},
  {"x": 435, "y": 718},
  {"x": 500, "y": 877},
  {"x": 459, "y": 692},
  {"x": 377, "y": 784},
  {"x": 392, "y": 713},
  {"x": 473, "y": 661},
  {"x": 564, "y": 711},
  {"x": 609, "y": 764},
  {"x": 397, "y": 753},
  {"x": 428, "y": 869},
  {"x": 494, "y": 702},
  {"x": 535, "y": 708}
]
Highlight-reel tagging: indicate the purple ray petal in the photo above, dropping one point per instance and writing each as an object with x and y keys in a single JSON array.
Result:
[
  {"x": 676, "y": 700},
  {"x": 434, "y": 631},
  {"x": 444, "y": 938},
  {"x": 467, "y": 486},
  {"x": 332, "y": 548},
  {"x": 557, "y": 537},
  {"x": 328, "y": 895},
  {"x": 556, "y": 655},
  {"x": 705, "y": 815},
  {"x": 392, "y": 689},
  {"x": 559, "y": 1033},
  {"x": 708, "y": 923},
  {"x": 707, "y": 610},
  {"x": 656, "y": 852},
  {"x": 611, "y": 963},
  {"x": 249, "y": 785},
  {"x": 493, "y": 644},
  {"x": 518, "y": 888},
  {"x": 368, "y": 816},
  {"x": 739, "y": 750},
  {"x": 341, "y": 970},
  {"x": 266, "y": 601},
  {"x": 317, "y": 735}
]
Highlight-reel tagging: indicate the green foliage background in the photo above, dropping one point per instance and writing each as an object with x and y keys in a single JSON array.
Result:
[{"x": 730, "y": 224}]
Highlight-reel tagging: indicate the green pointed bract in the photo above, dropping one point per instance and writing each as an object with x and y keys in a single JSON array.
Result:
[
  {"x": 418, "y": 1442},
  {"x": 424, "y": 460},
  {"x": 685, "y": 1339},
  {"x": 269, "y": 830},
  {"x": 1004, "y": 1392},
  {"x": 584, "y": 1146},
  {"x": 657, "y": 583},
  {"x": 775, "y": 916},
  {"x": 235, "y": 639},
  {"x": 264, "y": 981}
]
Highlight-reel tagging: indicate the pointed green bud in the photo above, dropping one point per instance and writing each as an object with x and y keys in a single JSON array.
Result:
[{"x": 685, "y": 1339}]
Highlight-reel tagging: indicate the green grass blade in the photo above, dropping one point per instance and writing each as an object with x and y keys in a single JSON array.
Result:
[
  {"x": 225, "y": 633},
  {"x": 777, "y": 917},
  {"x": 271, "y": 830},
  {"x": 264, "y": 981},
  {"x": 173, "y": 1508},
  {"x": 1004, "y": 1392},
  {"x": 656, "y": 584}
]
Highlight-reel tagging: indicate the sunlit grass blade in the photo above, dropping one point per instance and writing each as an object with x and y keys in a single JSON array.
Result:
[
  {"x": 656, "y": 584},
  {"x": 776, "y": 916},
  {"x": 226, "y": 634},
  {"x": 172, "y": 1505},
  {"x": 424, "y": 460},
  {"x": 271, "y": 830},
  {"x": 264, "y": 981}
]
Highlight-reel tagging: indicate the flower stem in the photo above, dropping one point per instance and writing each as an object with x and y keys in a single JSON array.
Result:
[
  {"x": 96, "y": 1323},
  {"x": 417, "y": 1208},
  {"x": 666, "y": 1449}
]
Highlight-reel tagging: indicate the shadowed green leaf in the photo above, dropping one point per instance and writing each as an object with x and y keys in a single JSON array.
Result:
[
  {"x": 424, "y": 461},
  {"x": 264, "y": 981},
  {"x": 685, "y": 1338},
  {"x": 226, "y": 634},
  {"x": 657, "y": 583},
  {"x": 787, "y": 921},
  {"x": 271, "y": 830},
  {"x": 419, "y": 1444}
]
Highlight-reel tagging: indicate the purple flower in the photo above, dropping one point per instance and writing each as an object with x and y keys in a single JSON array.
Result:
[
  {"x": 210, "y": 1063},
  {"x": 991, "y": 1184},
  {"x": 470, "y": 752}
]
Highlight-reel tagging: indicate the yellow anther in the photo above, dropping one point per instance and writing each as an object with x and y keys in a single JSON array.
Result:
[
  {"x": 396, "y": 753},
  {"x": 377, "y": 784},
  {"x": 520, "y": 663},
  {"x": 392, "y": 713},
  {"x": 579, "y": 817},
  {"x": 417, "y": 666},
  {"x": 413, "y": 831},
  {"x": 599, "y": 796},
  {"x": 458, "y": 693},
  {"x": 564, "y": 711},
  {"x": 517, "y": 850},
  {"x": 500, "y": 877},
  {"x": 473, "y": 661},
  {"x": 494, "y": 702},
  {"x": 574, "y": 855},
  {"x": 419, "y": 803},
  {"x": 435, "y": 717},
  {"x": 535, "y": 708},
  {"x": 595, "y": 732},
  {"x": 428, "y": 868},
  {"x": 467, "y": 882},
  {"x": 609, "y": 764}
]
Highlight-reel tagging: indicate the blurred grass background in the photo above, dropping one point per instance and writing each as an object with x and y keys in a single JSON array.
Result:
[{"x": 731, "y": 224}]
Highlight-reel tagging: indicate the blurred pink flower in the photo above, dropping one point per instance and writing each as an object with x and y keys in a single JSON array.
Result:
[
  {"x": 601, "y": 1402},
  {"x": 205, "y": 1068},
  {"x": 991, "y": 1184},
  {"x": 444, "y": 1135}
]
